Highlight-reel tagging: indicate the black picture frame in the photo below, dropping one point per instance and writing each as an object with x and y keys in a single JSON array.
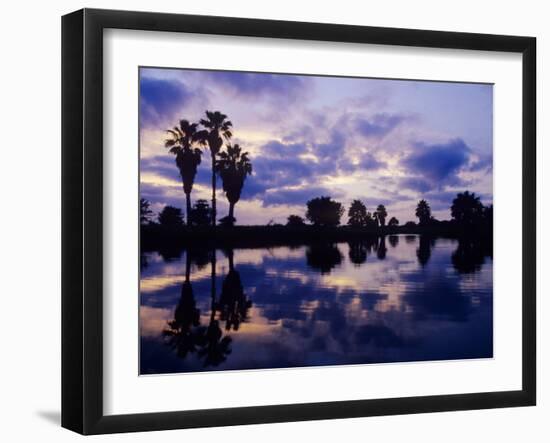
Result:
[{"x": 82, "y": 218}]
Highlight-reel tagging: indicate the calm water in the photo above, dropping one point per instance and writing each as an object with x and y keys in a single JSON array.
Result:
[{"x": 402, "y": 298}]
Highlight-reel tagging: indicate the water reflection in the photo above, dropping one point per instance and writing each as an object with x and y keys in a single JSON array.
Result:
[
  {"x": 323, "y": 257},
  {"x": 320, "y": 304},
  {"x": 234, "y": 304},
  {"x": 424, "y": 251},
  {"x": 394, "y": 240}
]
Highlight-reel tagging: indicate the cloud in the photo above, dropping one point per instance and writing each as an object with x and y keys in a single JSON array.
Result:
[
  {"x": 415, "y": 184},
  {"x": 164, "y": 166},
  {"x": 298, "y": 196},
  {"x": 438, "y": 162},
  {"x": 435, "y": 166},
  {"x": 277, "y": 149},
  {"x": 160, "y": 99},
  {"x": 275, "y": 173},
  {"x": 378, "y": 125},
  {"x": 483, "y": 163},
  {"x": 367, "y": 162},
  {"x": 253, "y": 85}
]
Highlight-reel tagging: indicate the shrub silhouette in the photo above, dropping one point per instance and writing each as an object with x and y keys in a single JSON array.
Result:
[
  {"x": 295, "y": 220},
  {"x": 170, "y": 216},
  {"x": 201, "y": 213}
]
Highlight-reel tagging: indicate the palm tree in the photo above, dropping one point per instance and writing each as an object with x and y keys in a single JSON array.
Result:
[
  {"x": 183, "y": 143},
  {"x": 233, "y": 166},
  {"x": 217, "y": 128},
  {"x": 423, "y": 212},
  {"x": 381, "y": 214}
]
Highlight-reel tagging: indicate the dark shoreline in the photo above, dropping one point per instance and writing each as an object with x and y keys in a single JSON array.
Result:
[{"x": 155, "y": 236}]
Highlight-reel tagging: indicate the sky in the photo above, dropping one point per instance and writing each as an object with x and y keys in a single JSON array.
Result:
[{"x": 382, "y": 141}]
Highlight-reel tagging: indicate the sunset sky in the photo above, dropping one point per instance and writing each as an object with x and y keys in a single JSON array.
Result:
[{"x": 388, "y": 142}]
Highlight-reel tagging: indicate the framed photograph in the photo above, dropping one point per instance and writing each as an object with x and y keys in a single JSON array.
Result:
[{"x": 269, "y": 221}]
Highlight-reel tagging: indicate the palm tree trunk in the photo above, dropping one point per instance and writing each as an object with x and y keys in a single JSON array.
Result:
[
  {"x": 188, "y": 205},
  {"x": 187, "y": 266},
  {"x": 213, "y": 285},
  {"x": 213, "y": 191},
  {"x": 230, "y": 258},
  {"x": 231, "y": 211}
]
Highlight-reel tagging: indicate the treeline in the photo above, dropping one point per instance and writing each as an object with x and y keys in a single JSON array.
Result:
[{"x": 467, "y": 212}]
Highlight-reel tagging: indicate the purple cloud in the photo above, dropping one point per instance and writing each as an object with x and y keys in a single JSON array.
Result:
[
  {"x": 253, "y": 85},
  {"x": 378, "y": 125},
  {"x": 298, "y": 196},
  {"x": 436, "y": 166},
  {"x": 159, "y": 99}
]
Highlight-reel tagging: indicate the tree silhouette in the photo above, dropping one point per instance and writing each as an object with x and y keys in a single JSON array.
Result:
[
  {"x": 467, "y": 209},
  {"x": 323, "y": 211},
  {"x": 393, "y": 222},
  {"x": 423, "y": 212},
  {"x": 145, "y": 212},
  {"x": 170, "y": 216},
  {"x": 200, "y": 213},
  {"x": 183, "y": 143},
  {"x": 357, "y": 214},
  {"x": 218, "y": 128},
  {"x": 381, "y": 215},
  {"x": 488, "y": 215},
  {"x": 295, "y": 220},
  {"x": 371, "y": 221},
  {"x": 233, "y": 166}
]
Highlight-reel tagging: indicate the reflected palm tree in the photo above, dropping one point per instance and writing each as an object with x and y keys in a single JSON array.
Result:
[
  {"x": 214, "y": 346},
  {"x": 394, "y": 240},
  {"x": 180, "y": 333},
  {"x": 323, "y": 257},
  {"x": 357, "y": 252},
  {"x": 382, "y": 250},
  {"x": 234, "y": 304},
  {"x": 424, "y": 250}
]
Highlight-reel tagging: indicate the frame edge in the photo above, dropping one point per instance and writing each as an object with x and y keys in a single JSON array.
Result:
[{"x": 72, "y": 316}]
